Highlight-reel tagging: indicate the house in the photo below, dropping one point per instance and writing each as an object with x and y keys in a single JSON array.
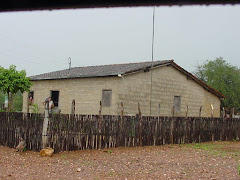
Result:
[{"x": 152, "y": 84}]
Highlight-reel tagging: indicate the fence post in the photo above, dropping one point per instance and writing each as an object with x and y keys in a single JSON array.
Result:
[
  {"x": 171, "y": 126},
  {"x": 233, "y": 113},
  {"x": 173, "y": 111},
  {"x": 73, "y": 107},
  {"x": 212, "y": 110},
  {"x": 158, "y": 110},
  {"x": 223, "y": 113},
  {"x": 27, "y": 105},
  {"x": 120, "y": 136},
  {"x": 200, "y": 111},
  {"x": 122, "y": 113},
  {"x": 156, "y": 126},
  {"x": 45, "y": 124},
  {"x": 100, "y": 126},
  {"x": 187, "y": 112},
  {"x": 140, "y": 125}
]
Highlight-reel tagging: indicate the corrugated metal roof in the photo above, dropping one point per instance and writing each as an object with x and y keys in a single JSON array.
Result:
[
  {"x": 99, "y": 71},
  {"x": 115, "y": 70}
]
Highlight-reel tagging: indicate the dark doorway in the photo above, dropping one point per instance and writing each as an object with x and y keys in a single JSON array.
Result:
[{"x": 55, "y": 97}]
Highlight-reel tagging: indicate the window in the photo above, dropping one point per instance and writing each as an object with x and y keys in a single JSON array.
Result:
[
  {"x": 177, "y": 103},
  {"x": 55, "y": 97},
  {"x": 106, "y": 98},
  {"x": 30, "y": 97}
]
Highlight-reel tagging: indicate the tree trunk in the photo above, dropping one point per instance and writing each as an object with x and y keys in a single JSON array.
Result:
[
  {"x": 10, "y": 101},
  {"x": 8, "y": 107}
]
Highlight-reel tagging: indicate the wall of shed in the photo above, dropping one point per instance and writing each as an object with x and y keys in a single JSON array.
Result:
[
  {"x": 87, "y": 93},
  {"x": 167, "y": 83},
  {"x": 131, "y": 90}
]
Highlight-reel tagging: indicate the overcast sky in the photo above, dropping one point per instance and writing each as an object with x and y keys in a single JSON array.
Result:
[{"x": 42, "y": 41}]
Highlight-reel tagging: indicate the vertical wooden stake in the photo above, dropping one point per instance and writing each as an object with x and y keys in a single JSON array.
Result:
[
  {"x": 200, "y": 111},
  {"x": 100, "y": 109},
  {"x": 212, "y": 110},
  {"x": 223, "y": 113},
  {"x": 171, "y": 126},
  {"x": 213, "y": 133},
  {"x": 45, "y": 125},
  {"x": 122, "y": 113},
  {"x": 100, "y": 126},
  {"x": 139, "y": 110},
  {"x": 140, "y": 125},
  {"x": 27, "y": 105},
  {"x": 158, "y": 110},
  {"x": 187, "y": 112},
  {"x": 222, "y": 130},
  {"x": 233, "y": 113},
  {"x": 73, "y": 107},
  {"x": 156, "y": 127},
  {"x": 173, "y": 110}
]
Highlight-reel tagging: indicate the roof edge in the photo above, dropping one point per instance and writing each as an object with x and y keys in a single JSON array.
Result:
[
  {"x": 197, "y": 80},
  {"x": 73, "y": 77},
  {"x": 149, "y": 67}
]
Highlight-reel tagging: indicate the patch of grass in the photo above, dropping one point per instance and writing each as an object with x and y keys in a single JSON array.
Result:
[
  {"x": 214, "y": 149},
  {"x": 237, "y": 139},
  {"x": 108, "y": 151},
  {"x": 205, "y": 146},
  {"x": 67, "y": 162},
  {"x": 171, "y": 146},
  {"x": 111, "y": 173},
  {"x": 64, "y": 155},
  {"x": 187, "y": 172},
  {"x": 181, "y": 145},
  {"x": 239, "y": 169}
]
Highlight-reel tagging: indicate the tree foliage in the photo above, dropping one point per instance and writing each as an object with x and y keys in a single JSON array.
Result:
[
  {"x": 17, "y": 100},
  {"x": 223, "y": 77},
  {"x": 13, "y": 81}
]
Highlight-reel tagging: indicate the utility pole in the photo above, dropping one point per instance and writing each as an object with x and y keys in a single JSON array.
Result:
[
  {"x": 69, "y": 62},
  {"x": 152, "y": 60}
]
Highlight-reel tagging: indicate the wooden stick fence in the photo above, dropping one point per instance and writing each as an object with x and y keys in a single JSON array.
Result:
[{"x": 78, "y": 132}]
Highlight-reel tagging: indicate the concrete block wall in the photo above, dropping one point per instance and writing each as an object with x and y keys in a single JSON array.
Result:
[
  {"x": 167, "y": 83},
  {"x": 131, "y": 90},
  {"x": 87, "y": 93}
]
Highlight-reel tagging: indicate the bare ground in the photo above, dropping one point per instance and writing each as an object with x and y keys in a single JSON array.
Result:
[{"x": 218, "y": 160}]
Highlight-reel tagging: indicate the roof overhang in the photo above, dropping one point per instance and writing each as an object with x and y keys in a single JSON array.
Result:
[
  {"x": 29, "y": 5},
  {"x": 70, "y": 77},
  {"x": 148, "y": 67}
]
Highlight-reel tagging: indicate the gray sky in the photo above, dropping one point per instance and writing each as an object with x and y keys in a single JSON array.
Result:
[{"x": 42, "y": 41}]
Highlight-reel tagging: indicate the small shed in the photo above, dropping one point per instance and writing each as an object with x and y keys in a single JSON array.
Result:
[{"x": 160, "y": 87}]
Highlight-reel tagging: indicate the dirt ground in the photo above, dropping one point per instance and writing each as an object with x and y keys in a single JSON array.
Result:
[{"x": 218, "y": 160}]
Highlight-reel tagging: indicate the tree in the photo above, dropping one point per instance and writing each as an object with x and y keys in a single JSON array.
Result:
[
  {"x": 18, "y": 101},
  {"x": 2, "y": 98},
  {"x": 223, "y": 77},
  {"x": 12, "y": 81}
]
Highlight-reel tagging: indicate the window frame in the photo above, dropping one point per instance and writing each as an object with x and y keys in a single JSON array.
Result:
[
  {"x": 30, "y": 94},
  {"x": 177, "y": 101},
  {"x": 104, "y": 103}
]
